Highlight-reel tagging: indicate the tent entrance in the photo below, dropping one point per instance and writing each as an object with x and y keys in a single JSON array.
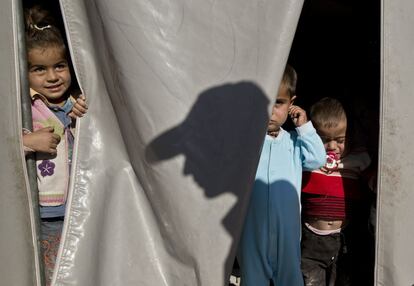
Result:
[{"x": 336, "y": 52}]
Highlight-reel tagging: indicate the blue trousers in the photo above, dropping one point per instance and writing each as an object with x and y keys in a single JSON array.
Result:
[{"x": 269, "y": 248}]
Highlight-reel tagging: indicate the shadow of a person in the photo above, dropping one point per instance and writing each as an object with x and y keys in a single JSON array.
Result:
[{"x": 221, "y": 139}]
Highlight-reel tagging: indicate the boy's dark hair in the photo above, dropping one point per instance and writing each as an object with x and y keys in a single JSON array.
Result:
[
  {"x": 327, "y": 113},
  {"x": 289, "y": 79},
  {"x": 41, "y": 30}
]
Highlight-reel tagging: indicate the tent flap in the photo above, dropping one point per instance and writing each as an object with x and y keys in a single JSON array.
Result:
[
  {"x": 395, "y": 211},
  {"x": 179, "y": 96}
]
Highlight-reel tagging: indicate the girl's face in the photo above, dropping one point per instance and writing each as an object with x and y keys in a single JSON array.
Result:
[
  {"x": 49, "y": 73},
  {"x": 334, "y": 138}
]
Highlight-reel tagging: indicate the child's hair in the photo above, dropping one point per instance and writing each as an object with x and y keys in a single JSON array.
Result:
[
  {"x": 41, "y": 30},
  {"x": 289, "y": 80},
  {"x": 327, "y": 113}
]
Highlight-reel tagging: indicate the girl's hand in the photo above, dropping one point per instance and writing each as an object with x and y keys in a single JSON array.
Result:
[
  {"x": 79, "y": 108},
  {"x": 42, "y": 140},
  {"x": 298, "y": 115}
]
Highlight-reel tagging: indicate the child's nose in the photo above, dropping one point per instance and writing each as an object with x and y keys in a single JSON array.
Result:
[
  {"x": 52, "y": 75},
  {"x": 331, "y": 145}
]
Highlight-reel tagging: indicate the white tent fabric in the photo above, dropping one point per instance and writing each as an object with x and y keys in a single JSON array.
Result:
[
  {"x": 395, "y": 249},
  {"x": 18, "y": 258},
  {"x": 179, "y": 95}
]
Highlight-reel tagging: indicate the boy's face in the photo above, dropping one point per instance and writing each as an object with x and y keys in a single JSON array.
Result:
[
  {"x": 280, "y": 109},
  {"x": 49, "y": 73},
  {"x": 334, "y": 138}
]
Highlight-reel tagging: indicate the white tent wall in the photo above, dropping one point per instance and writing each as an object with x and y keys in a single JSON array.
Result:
[
  {"x": 18, "y": 255},
  {"x": 395, "y": 249},
  {"x": 179, "y": 95}
]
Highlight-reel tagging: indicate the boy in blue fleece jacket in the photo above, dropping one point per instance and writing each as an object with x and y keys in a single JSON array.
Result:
[{"x": 269, "y": 247}]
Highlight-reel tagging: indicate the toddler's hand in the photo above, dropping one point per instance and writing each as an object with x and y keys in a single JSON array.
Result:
[
  {"x": 42, "y": 140},
  {"x": 328, "y": 170},
  {"x": 79, "y": 108},
  {"x": 298, "y": 115}
]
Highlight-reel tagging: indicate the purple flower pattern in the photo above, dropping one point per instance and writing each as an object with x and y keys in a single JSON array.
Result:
[{"x": 47, "y": 168}]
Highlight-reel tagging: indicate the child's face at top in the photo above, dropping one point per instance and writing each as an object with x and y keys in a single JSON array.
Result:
[
  {"x": 49, "y": 73},
  {"x": 280, "y": 109},
  {"x": 334, "y": 138}
]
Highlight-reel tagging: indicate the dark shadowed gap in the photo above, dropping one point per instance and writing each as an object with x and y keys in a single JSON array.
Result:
[{"x": 336, "y": 53}]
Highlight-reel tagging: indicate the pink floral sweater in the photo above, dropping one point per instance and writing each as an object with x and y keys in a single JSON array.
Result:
[{"x": 52, "y": 170}]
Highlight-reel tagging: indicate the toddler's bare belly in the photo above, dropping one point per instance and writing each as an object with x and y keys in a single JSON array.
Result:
[{"x": 323, "y": 224}]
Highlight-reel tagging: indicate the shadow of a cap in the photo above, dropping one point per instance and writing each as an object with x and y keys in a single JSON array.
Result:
[
  {"x": 220, "y": 139},
  {"x": 221, "y": 120}
]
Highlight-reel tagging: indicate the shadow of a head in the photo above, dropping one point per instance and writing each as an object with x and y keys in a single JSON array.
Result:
[{"x": 220, "y": 138}]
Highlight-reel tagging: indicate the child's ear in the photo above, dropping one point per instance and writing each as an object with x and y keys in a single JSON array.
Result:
[{"x": 292, "y": 99}]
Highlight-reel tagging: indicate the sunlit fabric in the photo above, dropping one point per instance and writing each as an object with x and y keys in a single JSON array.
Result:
[
  {"x": 179, "y": 95},
  {"x": 395, "y": 224}
]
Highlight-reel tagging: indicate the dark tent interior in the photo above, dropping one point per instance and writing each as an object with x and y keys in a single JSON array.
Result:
[{"x": 336, "y": 53}]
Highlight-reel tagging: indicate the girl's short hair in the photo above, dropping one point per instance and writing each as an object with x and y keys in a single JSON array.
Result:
[
  {"x": 327, "y": 113},
  {"x": 289, "y": 80},
  {"x": 41, "y": 30}
]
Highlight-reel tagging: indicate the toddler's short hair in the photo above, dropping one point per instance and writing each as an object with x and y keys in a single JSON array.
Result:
[
  {"x": 327, "y": 113},
  {"x": 289, "y": 80}
]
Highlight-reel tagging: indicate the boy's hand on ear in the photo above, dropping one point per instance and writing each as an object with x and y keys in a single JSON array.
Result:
[
  {"x": 298, "y": 115},
  {"x": 79, "y": 108},
  {"x": 42, "y": 140}
]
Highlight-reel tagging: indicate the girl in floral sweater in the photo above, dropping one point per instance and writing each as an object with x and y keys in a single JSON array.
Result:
[{"x": 52, "y": 139}]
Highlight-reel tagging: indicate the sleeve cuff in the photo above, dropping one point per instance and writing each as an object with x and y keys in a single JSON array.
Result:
[
  {"x": 26, "y": 131},
  {"x": 305, "y": 128},
  {"x": 25, "y": 148}
]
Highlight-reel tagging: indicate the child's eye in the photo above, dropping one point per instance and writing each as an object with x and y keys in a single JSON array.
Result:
[
  {"x": 38, "y": 69},
  {"x": 60, "y": 67},
  {"x": 325, "y": 140}
]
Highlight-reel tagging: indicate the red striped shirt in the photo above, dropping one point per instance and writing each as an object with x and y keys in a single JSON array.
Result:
[
  {"x": 328, "y": 208},
  {"x": 334, "y": 195}
]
